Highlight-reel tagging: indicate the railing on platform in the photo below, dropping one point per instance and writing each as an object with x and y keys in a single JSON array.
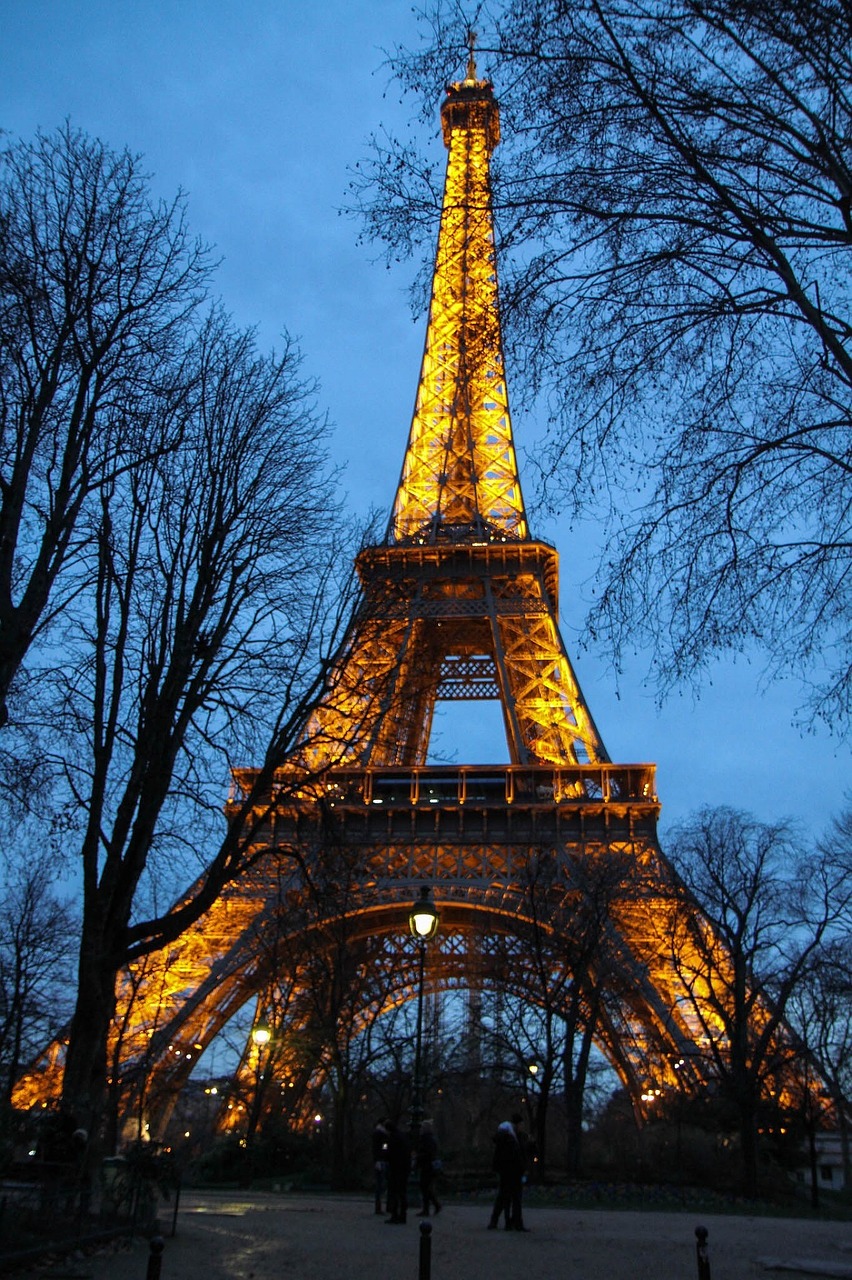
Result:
[{"x": 489, "y": 786}]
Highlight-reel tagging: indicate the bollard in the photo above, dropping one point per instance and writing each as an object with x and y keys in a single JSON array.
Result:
[
  {"x": 177, "y": 1206},
  {"x": 425, "y": 1250},
  {"x": 702, "y": 1253},
  {"x": 155, "y": 1261}
]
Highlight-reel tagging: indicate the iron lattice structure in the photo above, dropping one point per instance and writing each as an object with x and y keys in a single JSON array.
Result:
[{"x": 457, "y": 602}]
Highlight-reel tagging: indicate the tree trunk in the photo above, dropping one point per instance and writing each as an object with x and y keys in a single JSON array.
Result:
[
  {"x": 540, "y": 1131},
  {"x": 575, "y": 1083},
  {"x": 84, "y": 1086},
  {"x": 574, "y": 1101},
  {"x": 575, "y": 1087},
  {"x": 748, "y": 1142},
  {"x": 812, "y": 1152},
  {"x": 338, "y": 1137}
]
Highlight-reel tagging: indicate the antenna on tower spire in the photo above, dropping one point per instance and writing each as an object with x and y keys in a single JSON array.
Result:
[{"x": 471, "y": 60}]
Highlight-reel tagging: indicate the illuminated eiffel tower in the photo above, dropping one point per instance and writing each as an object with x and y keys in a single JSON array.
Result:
[{"x": 459, "y": 602}]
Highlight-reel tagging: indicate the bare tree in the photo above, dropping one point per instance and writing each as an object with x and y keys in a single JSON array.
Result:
[
  {"x": 820, "y": 1011},
  {"x": 822, "y": 1015},
  {"x": 345, "y": 982},
  {"x": 563, "y": 955},
  {"x": 97, "y": 283},
  {"x": 202, "y": 631},
  {"x": 37, "y": 941},
  {"x": 522, "y": 1040},
  {"x": 766, "y": 907},
  {"x": 576, "y": 967},
  {"x": 674, "y": 198}
]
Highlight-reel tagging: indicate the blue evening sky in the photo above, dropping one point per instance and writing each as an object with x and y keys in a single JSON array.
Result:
[{"x": 256, "y": 110}]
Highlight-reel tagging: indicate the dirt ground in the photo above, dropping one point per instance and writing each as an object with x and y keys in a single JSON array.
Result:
[{"x": 276, "y": 1237}]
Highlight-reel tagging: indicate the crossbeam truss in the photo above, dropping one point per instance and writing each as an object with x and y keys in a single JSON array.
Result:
[{"x": 430, "y": 611}]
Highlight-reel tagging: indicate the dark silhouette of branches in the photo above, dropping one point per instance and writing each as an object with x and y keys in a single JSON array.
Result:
[
  {"x": 97, "y": 285},
  {"x": 767, "y": 908},
  {"x": 201, "y": 634},
  {"x": 37, "y": 942},
  {"x": 673, "y": 198}
]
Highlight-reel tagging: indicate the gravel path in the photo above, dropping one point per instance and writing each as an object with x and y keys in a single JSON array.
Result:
[{"x": 260, "y": 1237}]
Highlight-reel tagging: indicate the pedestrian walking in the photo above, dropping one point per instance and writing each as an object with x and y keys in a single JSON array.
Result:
[
  {"x": 428, "y": 1165},
  {"x": 399, "y": 1167},
  {"x": 509, "y": 1163},
  {"x": 516, "y": 1209}
]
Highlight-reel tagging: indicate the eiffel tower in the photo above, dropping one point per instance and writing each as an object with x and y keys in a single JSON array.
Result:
[{"x": 458, "y": 602}]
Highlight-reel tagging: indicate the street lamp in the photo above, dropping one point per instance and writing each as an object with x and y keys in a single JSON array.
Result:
[
  {"x": 423, "y": 923},
  {"x": 261, "y": 1034},
  {"x": 261, "y": 1038}
]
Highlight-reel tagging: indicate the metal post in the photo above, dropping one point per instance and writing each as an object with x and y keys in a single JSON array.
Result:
[
  {"x": 425, "y": 1250},
  {"x": 417, "y": 1090},
  {"x": 177, "y": 1206},
  {"x": 702, "y": 1253},
  {"x": 155, "y": 1261}
]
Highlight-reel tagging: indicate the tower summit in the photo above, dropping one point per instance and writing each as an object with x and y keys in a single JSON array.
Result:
[{"x": 460, "y": 477}]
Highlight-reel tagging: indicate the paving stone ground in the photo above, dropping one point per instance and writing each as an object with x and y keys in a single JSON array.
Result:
[{"x": 276, "y": 1237}]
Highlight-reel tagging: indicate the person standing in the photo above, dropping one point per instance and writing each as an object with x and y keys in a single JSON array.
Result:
[
  {"x": 399, "y": 1167},
  {"x": 516, "y": 1211},
  {"x": 509, "y": 1166},
  {"x": 428, "y": 1165},
  {"x": 380, "y": 1161}
]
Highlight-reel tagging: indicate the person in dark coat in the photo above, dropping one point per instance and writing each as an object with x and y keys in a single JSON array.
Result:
[
  {"x": 399, "y": 1167},
  {"x": 516, "y": 1211},
  {"x": 427, "y": 1166},
  {"x": 380, "y": 1161},
  {"x": 509, "y": 1166}
]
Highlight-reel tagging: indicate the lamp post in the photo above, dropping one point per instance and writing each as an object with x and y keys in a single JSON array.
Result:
[
  {"x": 423, "y": 923},
  {"x": 536, "y": 1117},
  {"x": 529, "y": 1086},
  {"x": 261, "y": 1035}
]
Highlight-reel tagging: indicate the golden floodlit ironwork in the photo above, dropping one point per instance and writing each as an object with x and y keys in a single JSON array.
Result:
[
  {"x": 458, "y": 602},
  {"x": 460, "y": 471}
]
